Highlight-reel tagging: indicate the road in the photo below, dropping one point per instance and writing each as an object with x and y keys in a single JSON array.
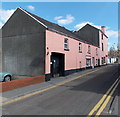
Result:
[{"x": 77, "y": 97}]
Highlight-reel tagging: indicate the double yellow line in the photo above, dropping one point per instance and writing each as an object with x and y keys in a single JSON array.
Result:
[{"x": 100, "y": 106}]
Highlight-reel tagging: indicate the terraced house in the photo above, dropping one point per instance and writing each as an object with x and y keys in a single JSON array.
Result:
[{"x": 33, "y": 46}]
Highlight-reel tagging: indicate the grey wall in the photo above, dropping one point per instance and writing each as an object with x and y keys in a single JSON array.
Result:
[
  {"x": 0, "y": 50},
  {"x": 89, "y": 34},
  {"x": 23, "y": 46}
]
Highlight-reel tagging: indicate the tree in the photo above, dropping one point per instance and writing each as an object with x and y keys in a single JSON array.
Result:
[
  {"x": 112, "y": 52},
  {"x": 118, "y": 50}
]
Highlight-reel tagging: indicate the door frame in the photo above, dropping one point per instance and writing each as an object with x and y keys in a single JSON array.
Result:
[{"x": 61, "y": 58}]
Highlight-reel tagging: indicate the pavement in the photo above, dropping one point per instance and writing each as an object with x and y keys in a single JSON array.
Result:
[{"x": 76, "y": 94}]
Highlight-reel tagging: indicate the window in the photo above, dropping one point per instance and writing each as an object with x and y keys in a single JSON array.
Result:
[
  {"x": 96, "y": 61},
  {"x": 89, "y": 49},
  {"x": 102, "y": 60},
  {"x": 102, "y": 47},
  {"x": 88, "y": 62},
  {"x": 102, "y": 35},
  {"x": 96, "y": 51},
  {"x": 66, "y": 44},
  {"x": 80, "y": 47}
]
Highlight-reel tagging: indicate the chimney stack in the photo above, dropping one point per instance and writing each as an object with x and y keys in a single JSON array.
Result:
[{"x": 103, "y": 28}]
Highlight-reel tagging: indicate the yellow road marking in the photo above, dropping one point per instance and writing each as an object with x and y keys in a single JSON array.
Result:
[
  {"x": 101, "y": 101},
  {"x": 106, "y": 101},
  {"x": 41, "y": 91},
  {"x": 2, "y": 99}
]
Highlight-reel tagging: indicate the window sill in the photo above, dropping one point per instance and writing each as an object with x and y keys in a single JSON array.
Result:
[
  {"x": 80, "y": 51},
  {"x": 89, "y": 53},
  {"x": 66, "y": 49}
]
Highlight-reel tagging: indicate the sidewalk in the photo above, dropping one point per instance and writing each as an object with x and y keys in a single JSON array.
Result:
[{"x": 9, "y": 95}]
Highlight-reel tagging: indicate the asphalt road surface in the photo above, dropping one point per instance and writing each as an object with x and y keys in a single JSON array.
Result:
[{"x": 77, "y": 97}]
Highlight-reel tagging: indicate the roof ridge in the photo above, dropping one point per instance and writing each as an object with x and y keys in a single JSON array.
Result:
[
  {"x": 48, "y": 21},
  {"x": 55, "y": 27}
]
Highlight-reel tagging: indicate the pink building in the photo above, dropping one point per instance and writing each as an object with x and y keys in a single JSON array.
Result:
[
  {"x": 76, "y": 53},
  {"x": 50, "y": 49}
]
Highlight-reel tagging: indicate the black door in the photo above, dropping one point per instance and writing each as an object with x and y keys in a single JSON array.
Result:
[
  {"x": 57, "y": 64},
  {"x": 98, "y": 62}
]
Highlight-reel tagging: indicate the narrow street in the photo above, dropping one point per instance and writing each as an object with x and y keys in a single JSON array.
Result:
[{"x": 77, "y": 97}]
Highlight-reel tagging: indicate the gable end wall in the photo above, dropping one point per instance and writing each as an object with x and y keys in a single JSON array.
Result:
[{"x": 23, "y": 41}]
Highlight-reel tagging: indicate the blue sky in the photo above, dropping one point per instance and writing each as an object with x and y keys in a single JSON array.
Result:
[{"x": 72, "y": 15}]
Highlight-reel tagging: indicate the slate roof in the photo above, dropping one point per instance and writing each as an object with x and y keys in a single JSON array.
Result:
[
  {"x": 59, "y": 29},
  {"x": 96, "y": 29},
  {"x": 56, "y": 28}
]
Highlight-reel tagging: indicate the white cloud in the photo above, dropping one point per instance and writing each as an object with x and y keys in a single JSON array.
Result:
[
  {"x": 64, "y": 21},
  {"x": 113, "y": 44},
  {"x": 5, "y": 14},
  {"x": 119, "y": 33},
  {"x": 58, "y": 17},
  {"x": 112, "y": 33},
  {"x": 109, "y": 43},
  {"x": 80, "y": 25},
  {"x": 32, "y": 8},
  {"x": 1, "y": 24},
  {"x": 109, "y": 33}
]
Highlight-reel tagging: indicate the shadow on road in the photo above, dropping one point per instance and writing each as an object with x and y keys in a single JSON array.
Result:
[{"x": 98, "y": 82}]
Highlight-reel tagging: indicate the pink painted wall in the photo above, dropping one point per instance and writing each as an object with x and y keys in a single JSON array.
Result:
[
  {"x": 55, "y": 43},
  {"x": 105, "y": 46}
]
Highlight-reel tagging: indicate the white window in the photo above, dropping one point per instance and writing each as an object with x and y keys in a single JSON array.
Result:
[
  {"x": 96, "y": 61},
  {"x": 88, "y": 62},
  {"x": 102, "y": 60},
  {"x": 80, "y": 47},
  {"x": 66, "y": 44}
]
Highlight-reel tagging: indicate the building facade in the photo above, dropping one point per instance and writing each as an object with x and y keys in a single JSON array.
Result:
[
  {"x": 33, "y": 46},
  {"x": 76, "y": 53}
]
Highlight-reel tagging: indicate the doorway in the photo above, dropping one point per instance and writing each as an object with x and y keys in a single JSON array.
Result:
[
  {"x": 98, "y": 62},
  {"x": 57, "y": 64}
]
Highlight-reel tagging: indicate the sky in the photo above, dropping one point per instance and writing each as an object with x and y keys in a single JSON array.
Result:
[{"x": 71, "y": 15}]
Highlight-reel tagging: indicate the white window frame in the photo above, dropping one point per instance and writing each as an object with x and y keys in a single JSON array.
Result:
[
  {"x": 88, "y": 62},
  {"x": 66, "y": 44},
  {"x": 96, "y": 61}
]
